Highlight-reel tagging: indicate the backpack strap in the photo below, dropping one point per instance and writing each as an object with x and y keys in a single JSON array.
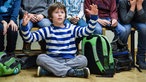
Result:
[{"x": 111, "y": 66}]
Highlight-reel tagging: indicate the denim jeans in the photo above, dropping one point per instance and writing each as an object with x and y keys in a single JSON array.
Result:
[
  {"x": 141, "y": 28},
  {"x": 119, "y": 30}
]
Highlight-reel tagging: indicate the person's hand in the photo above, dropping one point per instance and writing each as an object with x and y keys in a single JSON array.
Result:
[
  {"x": 34, "y": 18},
  {"x": 93, "y": 10},
  {"x": 13, "y": 25},
  {"x": 133, "y": 5},
  {"x": 5, "y": 27},
  {"x": 103, "y": 22},
  {"x": 114, "y": 23},
  {"x": 132, "y": 2},
  {"x": 139, "y": 4},
  {"x": 26, "y": 18},
  {"x": 39, "y": 17},
  {"x": 74, "y": 20}
]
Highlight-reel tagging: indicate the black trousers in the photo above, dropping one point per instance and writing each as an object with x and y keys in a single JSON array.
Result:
[{"x": 11, "y": 38}]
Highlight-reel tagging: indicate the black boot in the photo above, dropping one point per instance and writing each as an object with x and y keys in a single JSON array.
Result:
[{"x": 26, "y": 48}]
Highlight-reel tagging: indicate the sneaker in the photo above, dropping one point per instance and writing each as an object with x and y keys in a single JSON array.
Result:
[
  {"x": 26, "y": 48},
  {"x": 42, "y": 72},
  {"x": 142, "y": 65},
  {"x": 83, "y": 72}
]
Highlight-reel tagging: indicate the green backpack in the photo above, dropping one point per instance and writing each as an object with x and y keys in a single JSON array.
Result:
[
  {"x": 98, "y": 51},
  {"x": 9, "y": 65}
]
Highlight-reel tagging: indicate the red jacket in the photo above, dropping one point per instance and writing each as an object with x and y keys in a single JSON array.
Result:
[{"x": 106, "y": 8}]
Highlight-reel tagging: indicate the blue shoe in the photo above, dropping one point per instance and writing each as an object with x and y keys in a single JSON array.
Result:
[
  {"x": 42, "y": 72},
  {"x": 83, "y": 72}
]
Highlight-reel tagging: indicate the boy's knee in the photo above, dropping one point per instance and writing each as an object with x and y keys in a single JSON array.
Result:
[
  {"x": 40, "y": 58},
  {"x": 83, "y": 60}
]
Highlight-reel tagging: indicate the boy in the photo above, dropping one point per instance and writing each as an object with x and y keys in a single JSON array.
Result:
[{"x": 61, "y": 59}]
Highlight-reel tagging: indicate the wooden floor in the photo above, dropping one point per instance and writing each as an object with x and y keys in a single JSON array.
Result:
[{"x": 30, "y": 76}]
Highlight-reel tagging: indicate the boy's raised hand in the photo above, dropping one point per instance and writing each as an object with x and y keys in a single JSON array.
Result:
[
  {"x": 26, "y": 18},
  {"x": 93, "y": 10}
]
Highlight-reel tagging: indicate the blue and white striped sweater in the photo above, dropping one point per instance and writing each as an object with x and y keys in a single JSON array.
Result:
[{"x": 60, "y": 42}]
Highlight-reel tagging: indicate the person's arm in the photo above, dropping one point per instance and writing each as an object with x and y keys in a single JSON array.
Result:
[
  {"x": 125, "y": 14},
  {"x": 113, "y": 10},
  {"x": 140, "y": 9},
  {"x": 85, "y": 31},
  {"x": 81, "y": 13},
  {"x": 15, "y": 11}
]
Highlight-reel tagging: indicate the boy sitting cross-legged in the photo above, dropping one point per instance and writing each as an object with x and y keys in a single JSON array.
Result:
[{"x": 61, "y": 58}]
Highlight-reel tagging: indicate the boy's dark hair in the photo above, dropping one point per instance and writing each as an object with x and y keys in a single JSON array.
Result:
[{"x": 53, "y": 7}]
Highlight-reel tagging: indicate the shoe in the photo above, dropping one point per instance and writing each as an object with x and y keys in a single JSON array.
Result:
[
  {"x": 26, "y": 48},
  {"x": 142, "y": 65},
  {"x": 42, "y": 72},
  {"x": 83, "y": 72},
  {"x": 141, "y": 61}
]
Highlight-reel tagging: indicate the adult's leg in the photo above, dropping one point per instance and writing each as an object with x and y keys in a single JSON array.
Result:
[
  {"x": 11, "y": 41},
  {"x": 98, "y": 29},
  {"x": 121, "y": 32},
  {"x": 128, "y": 31},
  {"x": 1, "y": 38},
  {"x": 141, "y": 53}
]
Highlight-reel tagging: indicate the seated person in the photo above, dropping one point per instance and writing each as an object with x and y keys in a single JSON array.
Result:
[{"x": 61, "y": 58}]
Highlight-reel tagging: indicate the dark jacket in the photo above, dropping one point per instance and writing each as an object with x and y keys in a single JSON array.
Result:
[
  {"x": 127, "y": 16},
  {"x": 9, "y": 9}
]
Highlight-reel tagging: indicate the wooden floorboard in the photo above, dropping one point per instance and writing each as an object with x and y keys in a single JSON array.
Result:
[{"x": 29, "y": 75}]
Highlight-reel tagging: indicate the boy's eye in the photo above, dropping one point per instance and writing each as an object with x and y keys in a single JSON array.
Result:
[{"x": 62, "y": 11}]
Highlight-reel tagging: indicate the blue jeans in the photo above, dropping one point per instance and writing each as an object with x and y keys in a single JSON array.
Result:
[
  {"x": 119, "y": 30},
  {"x": 141, "y": 28}
]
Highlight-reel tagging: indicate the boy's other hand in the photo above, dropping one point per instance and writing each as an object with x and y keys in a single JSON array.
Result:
[{"x": 93, "y": 10}]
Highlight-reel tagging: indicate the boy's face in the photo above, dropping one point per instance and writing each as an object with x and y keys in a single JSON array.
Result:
[{"x": 58, "y": 16}]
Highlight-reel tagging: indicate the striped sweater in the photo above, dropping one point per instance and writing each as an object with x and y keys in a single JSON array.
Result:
[{"x": 60, "y": 42}]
